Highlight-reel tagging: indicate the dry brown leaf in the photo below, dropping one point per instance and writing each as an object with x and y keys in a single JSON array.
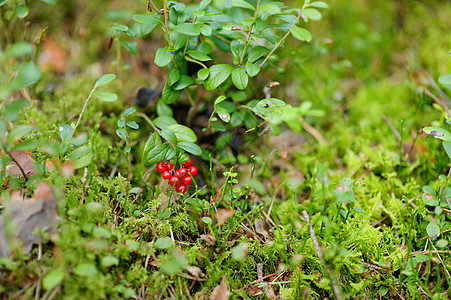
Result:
[
  {"x": 28, "y": 215},
  {"x": 196, "y": 272},
  {"x": 269, "y": 293},
  {"x": 255, "y": 290},
  {"x": 261, "y": 227},
  {"x": 52, "y": 56},
  {"x": 25, "y": 161},
  {"x": 223, "y": 214},
  {"x": 221, "y": 292},
  {"x": 210, "y": 239}
]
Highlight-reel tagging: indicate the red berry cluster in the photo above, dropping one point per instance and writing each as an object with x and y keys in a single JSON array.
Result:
[{"x": 179, "y": 178}]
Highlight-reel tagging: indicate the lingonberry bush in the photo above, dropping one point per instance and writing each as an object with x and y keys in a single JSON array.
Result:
[{"x": 220, "y": 48}]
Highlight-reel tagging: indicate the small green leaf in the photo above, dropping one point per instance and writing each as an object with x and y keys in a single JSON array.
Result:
[
  {"x": 120, "y": 27},
  {"x": 19, "y": 49},
  {"x": 447, "y": 146},
  {"x": 65, "y": 132},
  {"x": 218, "y": 74},
  {"x": 312, "y": 14},
  {"x": 301, "y": 34},
  {"x": 187, "y": 28},
  {"x": 105, "y": 96},
  {"x": 169, "y": 95},
  {"x": 163, "y": 109},
  {"x": 203, "y": 4},
  {"x": 439, "y": 133},
  {"x": 319, "y": 4},
  {"x": 85, "y": 270},
  {"x": 220, "y": 99},
  {"x": 53, "y": 278},
  {"x": 163, "y": 243},
  {"x": 433, "y": 230},
  {"x": 164, "y": 121},
  {"x": 157, "y": 154},
  {"x": 128, "y": 112},
  {"x": 107, "y": 78},
  {"x": 164, "y": 56},
  {"x": 27, "y": 145},
  {"x": 173, "y": 76},
  {"x": 22, "y": 11},
  {"x": 184, "y": 82},
  {"x": 132, "y": 47},
  {"x": 132, "y": 124},
  {"x": 202, "y": 74},
  {"x": 207, "y": 220},
  {"x": 198, "y": 55},
  {"x": 28, "y": 74},
  {"x": 152, "y": 142},
  {"x": 206, "y": 30},
  {"x": 252, "y": 69},
  {"x": 183, "y": 133},
  {"x": 170, "y": 153},
  {"x": 18, "y": 133},
  {"x": 108, "y": 261},
  {"x": 121, "y": 133},
  {"x": 240, "y": 78},
  {"x": 445, "y": 79},
  {"x": 257, "y": 52},
  {"x": 242, "y": 4},
  {"x": 169, "y": 136},
  {"x": 223, "y": 114},
  {"x": 190, "y": 148},
  {"x": 153, "y": 19}
]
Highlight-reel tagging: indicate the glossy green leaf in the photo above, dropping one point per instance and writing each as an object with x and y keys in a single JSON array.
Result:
[
  {"x": 184, "y": 82},
  {"x": 109, "y": 261},
  {"x": 203, "y": 4},
  {"x": 105, "y": 96},
  {"x": 223, "y": 114},
  {"x": 164, "y": 55},
  {"x": 120, "y": 123},
  {"x": 163, "y": 243},
  {"x": 164, "y": 121},
  {"x": 86, "y": 270},
  {"x": 240, "y": 78},
  {"x": 132, "y": 47},
  {"x": 218, "y": 74},
  {"x": 198, "y": 55},
  {"x": 206, "y": 30},
  {"x": 447, "y": 146},
  {"x": 312, "y": 14},
  {"x": 173, "y": 76},
  {"x": 65, "y": 133},
  {"x": 242, "y": 4},
  {"x": 107, "y": 78},
  {"x": 22, "y": 11},
  {"x": 157, "y": 154},
  {"x": 120, "y": 27},
  {"x": 169, "y": 136},
  {"x": 202, "y": 74},
  {"x": 445, "y": 79},
  {"x": 169, "y": 95},
  {"x": 163, "y": 109},
  {"x": 220, "y": 99},
  {"x": 318, "y": 4},
  {"x": 301, "y": 34},
  {"x": 18, "y": 132},
  {"x": 257, "y": 52},
  {"x": 121, "y": 134},
  {"x": 187, "y": 28},
  {"x": 129, "y": 111},
  {"x": 147, "y": 19},
  {"x": 132, "y": 124},
  {"x": 190, "y": 148},
  {"x": 252, "y": 69},
  {"x": 53, "y": 278},
  {"x": 153, "y": 141},
  {"x": 183, "y": 133},
  {"x": 26, "y": 145},
  {"x": 438, "y": 133},
  {"x": 29, "y": 74}
]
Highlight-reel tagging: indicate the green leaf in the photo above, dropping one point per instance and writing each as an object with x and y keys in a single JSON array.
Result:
[
  {"x": 173, "y": 76},
  {"x": 107, "y": 78},
  {"x": 50, "y": 2},
  {"x": 236, "y": 119},
  {"x": 132, "y": 124},
  {"x": 439, "y": 133},
  {"x": 184, "y": 82},
  {"x": 206, "y": 30},
  {"x": 108, "y": 261},
  {"x": 190, "y": 148},
  {"x": 19, "y": 49},
  {"x": 445, "y": 79},
  {"x": 86, "y": 270},
  {"x": 153, "y": 141},
  {"x": 242, "y": 4},
  {"x": 223, "y": 114},
  {"x": 220, "y": 99},
  {"x": 169, "y": 95},
  {"x": 433, "y": 230},
  {"x": 257, "y": 52},
  {"x": 187, "y": 28},
  {"x": 53, "y": 278},
  {"x": 12, "y": 110},
  {"x": 312, "y": 14},
  {"x": 105, "y": 96},
  {"x": 163, "y": 243},
  {"x": 164, "y": 56},
  {"x": 157, "y": 154},
  {"x": 121, "y": 133},
  {"x": 319, "y": 4},
  {"x": 203, "y": 4},
  {"x": 83, "y": 161},
  {"x": 170, "y": 153},
  {"x": 27, "y": 145},
  {"x": 120, "y": 27},
  {"x": 163, "y": 109},
  {"x": 132, "y": 47},
  {"x": 153, "y": 19},
  {"x": 22, "y": 11},
  {"x": 169, "y": 136},
  {"x": 65, "y": 133},
  {"x": 202, "y": 74},
  {"x": 252, "y": 69},
  {"x": 164, "y": 121},
  {"x": 301, "y": 34},
  {"x": 447, "y": 146},
  {"x": 207, "y": 220},
  {"x": 28, "y": 74},
  {"x": 270, "y": 102},
  {"x": 183, "y": 133},
  {"x": 218, "y": 74},
  {"x": 129, "y": 111},
  {"x": 18, "y": 132},
  {"x": 240, "y": 78},
  {"x": 198, "y": 55}
]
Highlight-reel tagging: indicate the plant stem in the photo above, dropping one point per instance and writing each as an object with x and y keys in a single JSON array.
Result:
[
  {"x": 250, "y": 32},
  {"x": 196, "y": 62},
  {"x": 82, "y": 112},
  {"x": 39, "y": 44},
  {"x": 283, "y": 39}
]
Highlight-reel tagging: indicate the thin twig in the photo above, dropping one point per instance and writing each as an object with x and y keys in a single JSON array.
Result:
[
  {"x": 313, "y": 132},
  {"x": 250, "y": 32},
  {"x": 393, "y": 128}
]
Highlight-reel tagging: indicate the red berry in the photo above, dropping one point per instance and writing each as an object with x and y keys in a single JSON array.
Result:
[
  {"x": 174, "y": 180},
  {"x": 188, "y": 163},
  {"x": 170, "y": 166},
  {"x": 178, "y": 174},
  {"x": 187, "y": 180},
  {"x": 192, "y": 170},
  {"x": 183, "y": 171},
  {"x": 181, "y": 189},
  {"x": 166, "y": 175},
  {"x": 161, "y": 167}
]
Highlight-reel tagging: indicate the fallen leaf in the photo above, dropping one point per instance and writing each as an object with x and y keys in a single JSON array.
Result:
[
  {"x": 210, "y": 239},
  {"x": 261, "y": 227},
  {"x": 25, "y": 161},
  {"x": 196, "y": 272},
  {"x": 221, "y": 292},
  {"x": 255, "y": 290},
  {"x": 52, "y": 56},
  {"x": 223, "y": 214},
  {"x": 28, "y": 215}
]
